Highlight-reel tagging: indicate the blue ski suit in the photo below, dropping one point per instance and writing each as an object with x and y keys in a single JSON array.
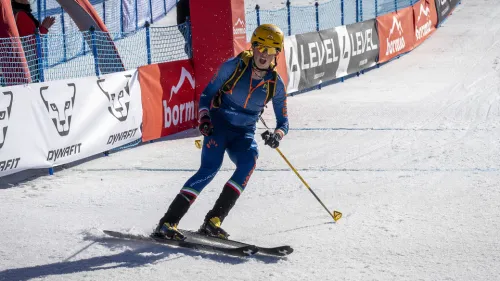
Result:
[{"x": 234, "y": 122}]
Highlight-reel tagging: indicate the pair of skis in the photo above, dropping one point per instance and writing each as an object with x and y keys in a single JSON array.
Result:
[{"x": 200, "y": 242}]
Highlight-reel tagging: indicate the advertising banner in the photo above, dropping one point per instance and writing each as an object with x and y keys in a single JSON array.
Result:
[
  {"x": 83, "y": 117},
  {"x": 315, "y": 57},
  {"x": 168, "y": 96},
  {"x": 364, "y": 42},
  {"x": 444, "y": 8},
  {"x": 53, "y": 123},
  {"x": 396, "y": 33},
  {"x": 425, "y": 16},
  {"x": 239, "y": 26},
  {"x": 19, "y": 147},
  {"x": 311, "y": 58}
]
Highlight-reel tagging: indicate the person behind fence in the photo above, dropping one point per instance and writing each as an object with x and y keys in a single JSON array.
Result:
[
  {"x": 229, "y": 109},
  {"x": 26, "y": 25},
  {"x": 183, "y": 13},
  {"x": 26, "y": 22}
]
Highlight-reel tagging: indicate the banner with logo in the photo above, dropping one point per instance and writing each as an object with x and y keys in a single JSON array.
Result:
[
  {"x": 444, "y": 8},
  {"x": 315, "y": 57},
  {"x": 83, "y": 117},
  {"x": 425, "y": 16},
  {"x": 239, "y": 26},
  {"x": 396, "y": 33},
  {"x": 20, "y": 146},
  {"x": 168, "y": 97},
  {"x": 311, "y": 58},
  {"x": 53, "y": 123},
  {"x": 364, "y": 42}
]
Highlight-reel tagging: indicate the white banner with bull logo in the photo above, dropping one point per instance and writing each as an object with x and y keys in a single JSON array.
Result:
[{"x": 53, "y": 123}]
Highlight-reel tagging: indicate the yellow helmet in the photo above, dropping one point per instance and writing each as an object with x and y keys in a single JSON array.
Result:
[{"x": 268, "y": 35}]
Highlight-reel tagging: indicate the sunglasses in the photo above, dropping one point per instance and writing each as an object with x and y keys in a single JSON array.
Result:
[{"x": 266, "y": 49}]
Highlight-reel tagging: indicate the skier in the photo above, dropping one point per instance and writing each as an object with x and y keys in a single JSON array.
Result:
[{"x": 229, "y": 109}]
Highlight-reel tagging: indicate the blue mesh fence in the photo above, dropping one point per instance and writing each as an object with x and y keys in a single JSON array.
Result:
[
  {"x": 65, "y": 52},
  {"x": 307, "y": 16},
  {"x": 278, "y": 17},
  {"x": 120, "y": 17},
  {"x": 296, "y": 20},
  {"x": 329, "y": 14},
  {"x": 92, "y": 53},
  {"x": 170, "y": 43},
  {"x": 11, "y": 51}
]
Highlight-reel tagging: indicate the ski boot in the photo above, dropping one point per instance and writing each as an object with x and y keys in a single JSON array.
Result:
[
  {"x": 169, "y": 231},
  {"x": 215, "y": 217},
  {"x": 212, "y": 228},
  {"x": 167, "y": 227}
]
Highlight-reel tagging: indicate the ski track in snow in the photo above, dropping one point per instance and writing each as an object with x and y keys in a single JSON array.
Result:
[{"x": 407, "y": 152}]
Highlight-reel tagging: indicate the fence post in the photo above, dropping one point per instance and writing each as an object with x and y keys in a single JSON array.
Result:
[
  {"x": 317, "y": 15},
  {"x": 289, "y": 18},
  {"x": 148, "y": 42},
  {"x": 44, "y": 8},
  {"x": 376, "y": 8},
  {"x": 360, "y": 10},
  {"x": 84, "y": 51},
  {"x": 396, "y": 5},
  {"x": 39, "y": 9},
  {"x": 39, "y": 59},
  {"x": 357, "y": 10},
  {"x": 65, "y": 58},
  {"x": 136, "y": 15},
  {"x": 104, "y": 11},
  {"x": 94, "y": 49},
  {"x": 257, "y": 10},
  {"x": 151, "y": 11},
  {"x": 341, "y": 12},
  {"x": 121, "y": 17}
]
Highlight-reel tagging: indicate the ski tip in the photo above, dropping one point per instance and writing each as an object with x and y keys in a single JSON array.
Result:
[
  {"x": 284, "y": 251},
  {"x": 110, "y": 232}
]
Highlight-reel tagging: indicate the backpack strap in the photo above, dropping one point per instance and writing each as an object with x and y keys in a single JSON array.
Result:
[
  {"x": 242, "y": 66},
  {"x": 271, "y": 86}
]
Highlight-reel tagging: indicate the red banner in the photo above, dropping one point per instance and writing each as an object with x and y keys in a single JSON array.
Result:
[
  {"x": 168, "y": 99},
  {"x": 396, "y": 33},
  {"x": 239, "y": 26},
  {"x": 425, "y": 15}
]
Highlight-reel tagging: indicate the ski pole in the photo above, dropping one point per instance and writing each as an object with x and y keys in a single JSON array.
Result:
[{"x": 336, "y": 215}]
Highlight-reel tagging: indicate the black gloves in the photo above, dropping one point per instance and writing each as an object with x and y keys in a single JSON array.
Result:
[
  {"x": 271, "y": 139},
  {"x": 206, "y": 128}
]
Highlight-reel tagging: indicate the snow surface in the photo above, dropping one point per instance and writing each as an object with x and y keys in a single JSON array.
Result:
[{"x": 408, "y": 152}]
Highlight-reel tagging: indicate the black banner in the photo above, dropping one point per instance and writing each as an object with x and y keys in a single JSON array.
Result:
[
  {"x": 444, "y": 8},
  {"x": 364, "y": 45},
  {"x": 316, "y": 57}
]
